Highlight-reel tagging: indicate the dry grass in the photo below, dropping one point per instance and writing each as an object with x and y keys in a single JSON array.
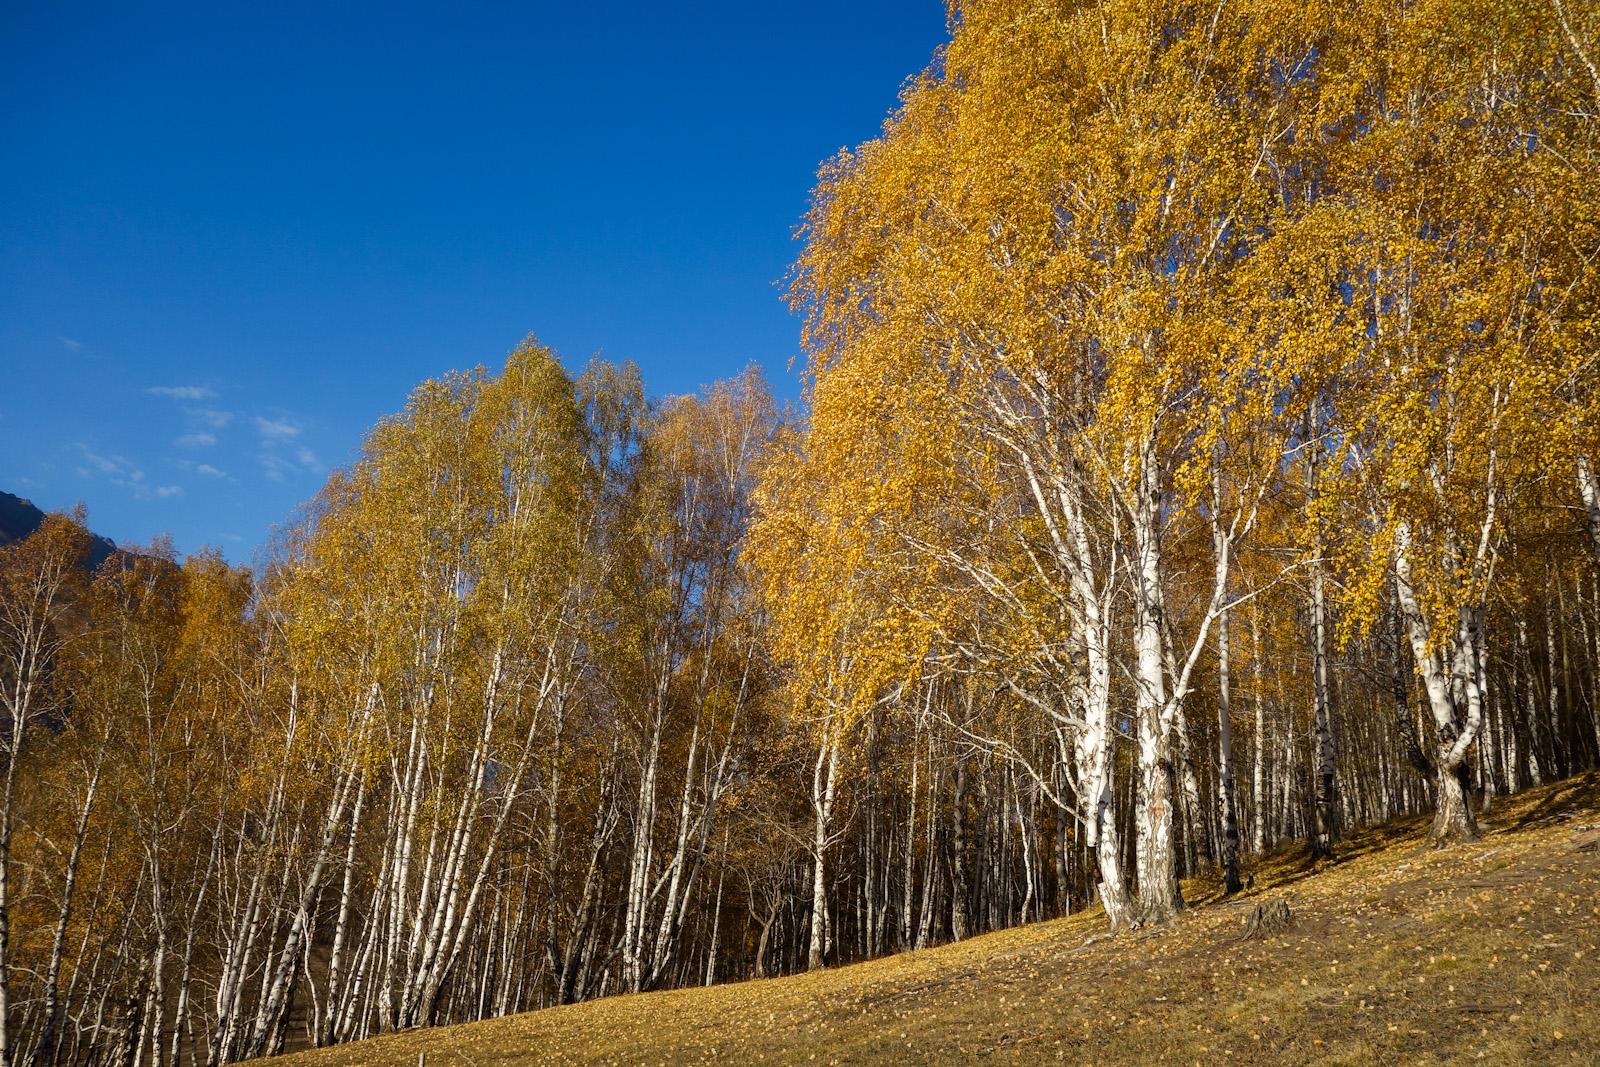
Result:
[{"x": 1483, "y": 952}]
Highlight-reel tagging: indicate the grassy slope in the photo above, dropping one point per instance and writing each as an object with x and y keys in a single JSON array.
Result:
[{"x": 1400, "y": 955}]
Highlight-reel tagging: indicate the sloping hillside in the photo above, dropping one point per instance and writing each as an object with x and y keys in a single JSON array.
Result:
[
  {"x": 1488, "y": 952},
  {"x": 19, "y": 517}
]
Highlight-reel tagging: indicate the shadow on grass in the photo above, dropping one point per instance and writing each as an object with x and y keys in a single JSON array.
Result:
[
  {"x": 1292, "y": 862},
  {"x": 1553, "y": 804}
]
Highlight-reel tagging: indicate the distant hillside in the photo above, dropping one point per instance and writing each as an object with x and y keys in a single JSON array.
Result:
[
  {"x": 1397, "y": 954},
  {"x": 19, "y": 518}
]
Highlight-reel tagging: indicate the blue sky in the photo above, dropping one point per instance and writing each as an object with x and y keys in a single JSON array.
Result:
[{"x": 233, "y": 236}]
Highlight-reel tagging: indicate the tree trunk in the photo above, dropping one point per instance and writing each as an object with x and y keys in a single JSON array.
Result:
[
  {"x": 1325, "y": 802},
  {"x": 1159, "y": 899},
  {"x": 1228, "y": 805},
  {"x": 1453, "y": 820},
  {"x": 1258, "y": 777},
  {"x": 958, "y": 859},
  {"x": 822, "y": 786},
  {"x": 1325, "y": 806},
  {"x": 1455, "y": 696},
  {"x": 1589, "y": 490}
]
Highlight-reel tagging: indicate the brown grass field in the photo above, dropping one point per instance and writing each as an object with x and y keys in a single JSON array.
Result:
[{"x": 1488, "y": 952}]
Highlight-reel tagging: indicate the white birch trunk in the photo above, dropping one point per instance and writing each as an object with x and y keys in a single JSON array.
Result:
[
  {"x": 1450, "y": 678},
  {"x": 823, "y": 780},
  {"x": 1589, "y": 491}
]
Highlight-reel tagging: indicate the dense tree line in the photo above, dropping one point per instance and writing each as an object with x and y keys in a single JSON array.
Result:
[{"x": 1199, "y": 459}]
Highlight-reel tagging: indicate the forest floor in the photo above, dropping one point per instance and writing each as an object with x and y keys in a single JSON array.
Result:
[{"x": 1400, "y": 954}]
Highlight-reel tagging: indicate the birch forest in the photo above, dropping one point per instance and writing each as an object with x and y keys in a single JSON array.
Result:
[{"x": 1199, "y": 456}]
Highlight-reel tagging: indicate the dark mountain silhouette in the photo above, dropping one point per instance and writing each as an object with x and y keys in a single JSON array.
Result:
[{"x": 19, "y": 518}]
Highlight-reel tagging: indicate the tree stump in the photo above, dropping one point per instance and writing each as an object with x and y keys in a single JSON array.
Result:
[{"x": 1266, "y": 919}]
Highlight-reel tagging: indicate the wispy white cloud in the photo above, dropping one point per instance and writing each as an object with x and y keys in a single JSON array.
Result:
[
  {"x": 213, "y": 418},
  {"x": 275, "y": 468},
  {"x": 182, "y": 392},
  {"x": 280, "y": 455},
  {"x": 70, "y": 344},
  {"x": 276, "y": 429},
  {"x": 196, "y": 440},
  {"x": 279, "y": 468},
  {"x": 123, "y": 473},
  {"x": 110, "y": 466},
  {"x": 202, "y": 468}
]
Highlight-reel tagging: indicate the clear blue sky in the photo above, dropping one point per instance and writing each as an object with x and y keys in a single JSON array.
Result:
[{"x": 234, "y": 235}]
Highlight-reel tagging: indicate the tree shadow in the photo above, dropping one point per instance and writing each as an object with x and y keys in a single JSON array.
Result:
[
  {"x": 1291, "y": 862},
  {"x": 1556, "y": 804}
]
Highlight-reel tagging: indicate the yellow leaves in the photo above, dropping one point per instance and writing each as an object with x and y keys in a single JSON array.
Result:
[{"x": 1168, "y": 250}]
